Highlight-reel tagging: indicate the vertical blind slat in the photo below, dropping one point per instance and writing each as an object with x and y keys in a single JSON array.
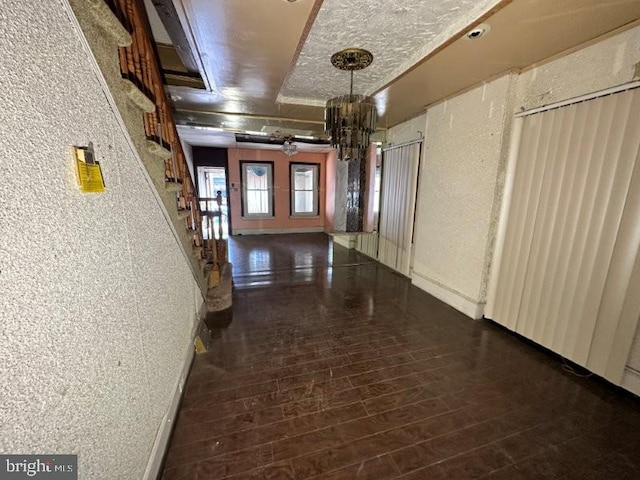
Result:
[
  {"x": 623, "y": 244},
  {"x": 561, "y": 178},
  {"x": 621, "y": 343},
  {"x": 397, "y": 207},
  {"x": 580, "y": 210},
  {"x": 565, "y": 225},
  {"x": 539, "y": 250},
  {"x": 498, "y": 304},
  {"x": 522, "y": 185},
  {"x": 572, "y": 232},
  {"x": 537, "y": 165},
  {"x": 594, "y": 264}
]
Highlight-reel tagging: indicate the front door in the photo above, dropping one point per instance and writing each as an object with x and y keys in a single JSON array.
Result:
[{"x": 215, "y": 214}]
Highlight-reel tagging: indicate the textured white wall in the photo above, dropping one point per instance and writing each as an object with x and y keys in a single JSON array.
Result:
[
  {"x": 407, "y": 131},
  {"x": 597, "y": 67},
  {"x": 463, "y": 163},
  {"x": 98, "y": 301},
  {"x": 459, "y": 171}
]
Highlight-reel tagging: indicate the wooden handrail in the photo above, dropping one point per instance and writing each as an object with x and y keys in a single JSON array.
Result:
[{"x": 139, "y": 64}]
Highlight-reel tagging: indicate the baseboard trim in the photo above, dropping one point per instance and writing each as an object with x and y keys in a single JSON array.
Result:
[
  {"x": 631, "y": 381},
  {"x": 156, "y": 458},
  {"x": 267, "y": 231},
  {"x": 457, "y": 300}
]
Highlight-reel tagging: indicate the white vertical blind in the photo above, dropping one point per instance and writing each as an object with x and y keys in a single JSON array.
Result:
[
  {"x": 397, "y": 206},
  {"x": 367, "y": 243},
  {"x": 570, "y": 234}
]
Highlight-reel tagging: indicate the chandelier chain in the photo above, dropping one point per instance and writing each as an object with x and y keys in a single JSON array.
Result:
[{"x": 351, "y": 85}]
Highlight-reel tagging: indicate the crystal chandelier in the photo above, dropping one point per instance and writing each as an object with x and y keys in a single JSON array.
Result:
[
  {"x": 289, "y": 148},
  {"x": 350, "y": 119}
]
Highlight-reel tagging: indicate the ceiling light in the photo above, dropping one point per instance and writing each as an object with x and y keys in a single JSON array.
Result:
[
  {"x": 350, "y": 119},
  {"x": 289, "y": 148},
  {"x": 478, "y": 31}
]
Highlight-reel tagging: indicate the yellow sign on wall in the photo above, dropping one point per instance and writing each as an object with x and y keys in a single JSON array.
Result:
[{"x": 89, "y": 172}]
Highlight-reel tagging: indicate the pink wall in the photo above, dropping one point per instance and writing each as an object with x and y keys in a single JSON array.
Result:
[{"x": 282, "y": 190}]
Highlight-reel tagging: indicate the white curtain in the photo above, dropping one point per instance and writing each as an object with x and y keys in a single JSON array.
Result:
[
  {"x": 565, "y": 271},
  {"x": 397, "y": 206}
]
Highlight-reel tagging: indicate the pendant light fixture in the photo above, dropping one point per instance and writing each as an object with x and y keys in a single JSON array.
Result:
[
  {"x": 350, "y": 119},
  {"x": 289, "y": 148}
]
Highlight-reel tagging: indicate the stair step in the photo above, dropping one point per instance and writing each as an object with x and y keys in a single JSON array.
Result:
[
  {"x": 184, "y": 213},
  {"x": 108, "y": 21},
  {"x": 172, "y": 186},
  {"x": 158, "y": 150},
  {"x": 137, "y": 96}
]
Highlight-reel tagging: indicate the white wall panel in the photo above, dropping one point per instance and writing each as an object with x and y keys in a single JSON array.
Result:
[{"x": 460, "y": 191}]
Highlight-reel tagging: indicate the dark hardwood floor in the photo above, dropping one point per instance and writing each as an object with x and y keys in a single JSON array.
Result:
[{"x": 334, "y": 367}]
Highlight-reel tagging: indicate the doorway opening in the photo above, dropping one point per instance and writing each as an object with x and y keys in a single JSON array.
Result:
[{"x": 214, "y": 201}]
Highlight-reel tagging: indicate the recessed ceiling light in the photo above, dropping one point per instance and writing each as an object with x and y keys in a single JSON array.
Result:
[{"x": 478, "y": 31}]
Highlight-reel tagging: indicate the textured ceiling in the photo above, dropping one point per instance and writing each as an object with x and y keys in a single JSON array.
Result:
[
  {"x": 270, "y": 59},
  {"x": 399, "y": 34}
]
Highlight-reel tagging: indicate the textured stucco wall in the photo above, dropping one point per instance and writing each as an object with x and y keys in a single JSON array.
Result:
[
  {"x": 605, "y": 64},
  {"x": 98, "y": 28},
  {"x": 460, "y": 165},
  {"x": 467, "y": 140},
  {"x": 408, "y": 131},
  {"x": 98, "y": 301}
]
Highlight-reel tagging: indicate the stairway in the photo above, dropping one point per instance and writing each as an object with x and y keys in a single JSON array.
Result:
[{"x": 119, "y": 36}]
